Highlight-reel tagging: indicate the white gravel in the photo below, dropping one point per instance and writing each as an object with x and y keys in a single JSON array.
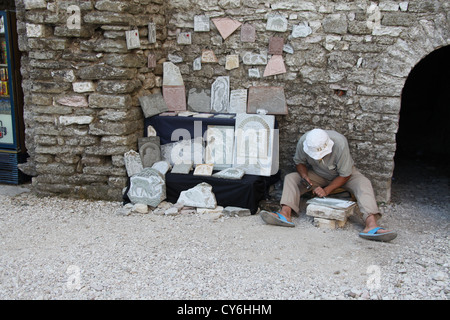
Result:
[{"x": 55, "y": 248}]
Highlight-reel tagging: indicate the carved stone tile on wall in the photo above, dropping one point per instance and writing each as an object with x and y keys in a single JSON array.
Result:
[
  {"x": 275, "y": 66},
  {"x": 226, "y": 26},
  {"x": 151, "y": 32},
  {"x": 276, "y": 45},
  {"x": 268, "y": 98},
  {"x": 251, "y": 58},
  {"x": 201, "y": 23},
  {"x": 220, "y": 94},
  {"x": 232, "y": 62},
  {"x": 208, "y": 56},
  {"x": 276, "y": 22},
  {"x": 132, "y": 38},
  {"x": 184, "y": 38},
  {"x": 172, "y": 75},
  {"x": 248, "y": 33}
]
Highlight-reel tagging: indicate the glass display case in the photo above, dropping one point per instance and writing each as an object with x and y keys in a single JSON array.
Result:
[{"x": 12, "y": 147}]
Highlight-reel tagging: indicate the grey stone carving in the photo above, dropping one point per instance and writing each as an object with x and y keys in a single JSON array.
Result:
[{"x": 147, "y": 187}]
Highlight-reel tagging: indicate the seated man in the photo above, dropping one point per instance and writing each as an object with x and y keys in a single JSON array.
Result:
[{"x": 323, "y": 159}]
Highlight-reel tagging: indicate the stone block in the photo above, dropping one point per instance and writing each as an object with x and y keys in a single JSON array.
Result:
[{"x": 324, "y": 212}]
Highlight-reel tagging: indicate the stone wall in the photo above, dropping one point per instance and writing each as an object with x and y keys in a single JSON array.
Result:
[
  {"x": 345, "y": 73},
  {"x": 81, "y": 88}
]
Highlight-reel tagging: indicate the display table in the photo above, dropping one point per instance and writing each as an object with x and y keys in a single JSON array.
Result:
[{"x": 245, "y": 193}]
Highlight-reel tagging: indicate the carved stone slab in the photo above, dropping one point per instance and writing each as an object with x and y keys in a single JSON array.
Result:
[
  {"x": 230, "y": 173},
  {"x": 238, "y": 101},
  {"x": 182, "y": 168},
  {"x": 276, "y": 22},
  {"x": 201, "y": 23},
  {"x": 275, "y": 66},
  {"x": 219, "y": 146},
  {"x": 184, "y": 38},
  {"x": 199, "y": 100},
  {"x": 232, "y": 62},
  {"x": 183, "y": 151},
  {"x": 220, "y": 94},
  {"x": 133, "y": 163},
  {"x": 271, "y": 99},
  {"x": 251, "y": 58},
  {"x": 162, "y": 166},
  {"x": 256, "y": 144},
  {"x": 276, "y": 45},
  {"x": 153, "y": 104},
  {"x": 208, "y": 56},
  {"x": 204, "y": 169},
  {"x": 226, "y": 26},
  {"x": 132, "y": 37},
  {"x": 147, "y": 187},
  {"x": 172, "y": 75},
  {"x": 301, "y": 30},
  {"x": 151, "y": 32},
  {"x": 149, "y": 150},
  {"x": 200, "y": 196},
  {"x": 175, "y": 97},
  {"x": 248, "y": 33}
]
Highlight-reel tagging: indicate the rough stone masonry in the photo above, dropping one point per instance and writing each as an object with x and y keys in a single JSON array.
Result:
[{"x": 346, "y": 64}]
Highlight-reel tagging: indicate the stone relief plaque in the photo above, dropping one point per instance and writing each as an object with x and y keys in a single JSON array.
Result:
[
  {"x": 276, "y": 45},
  {"x": 248, "y": 33},
  {"x": 132, "y": 38},
  {"x": 232, "y": 62},
  {"x": 133, "y": 163},
  {"x": 151, "y": 32},
  {"x": 184, "y": 38},
  {"x": 153, "y": 104},
  {"x": 147, "y": 187},
  {"x": 172, "y": 75},
  {"x": 226, "y": 26},
  {"x": 276, "y": 22},
  {"x": 208, "y": 56},
  {"x": 275, "y": 66},
  {"x": 175, "y": 97},
  {"x": 199, "y": 100},
  {"x": 238, "y": 101},
  {"x": 250, "y": 58},
  {"x": 204, "y": 169},
  {"x": 256, "y": 144},
  {"x": 149, "y": 150},
  {"x": 219, "y": 146},
  {"x": 220, "y": 94},
  {"x": 201, "y": 23},
  {"x": 271, "y": 99}
]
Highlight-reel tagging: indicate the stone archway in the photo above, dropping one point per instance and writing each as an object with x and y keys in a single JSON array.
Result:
[{"x": 394, "y": 67}]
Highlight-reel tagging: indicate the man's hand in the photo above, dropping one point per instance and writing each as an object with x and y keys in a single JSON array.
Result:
[{"x": 320, "y": 192}]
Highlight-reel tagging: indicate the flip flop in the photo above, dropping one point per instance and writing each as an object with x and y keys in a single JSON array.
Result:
[
  {"x": 280, "y": 220},
  {"x": 373, "y": 235}
]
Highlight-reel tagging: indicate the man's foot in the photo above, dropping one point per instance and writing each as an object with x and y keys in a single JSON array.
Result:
[
  {"x": 378, "y": 234},
  {"x": 276, "y": 218}
]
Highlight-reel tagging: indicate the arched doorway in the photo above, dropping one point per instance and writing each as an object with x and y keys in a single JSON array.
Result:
[{"x": 423, "y": 137}]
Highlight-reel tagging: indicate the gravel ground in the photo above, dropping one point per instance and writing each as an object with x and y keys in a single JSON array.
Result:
[{"x": 55, "y": 248}]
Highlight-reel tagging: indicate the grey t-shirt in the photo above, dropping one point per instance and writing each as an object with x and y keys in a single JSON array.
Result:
[{"x": 337, "y": 163}]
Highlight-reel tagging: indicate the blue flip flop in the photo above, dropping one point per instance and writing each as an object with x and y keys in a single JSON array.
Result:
[
  {"x": 278, "y": 220},
  {"x": 373, "y": 235}
]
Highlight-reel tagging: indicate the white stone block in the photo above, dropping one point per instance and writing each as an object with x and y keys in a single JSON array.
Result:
[{"x": 328, "y": 213}]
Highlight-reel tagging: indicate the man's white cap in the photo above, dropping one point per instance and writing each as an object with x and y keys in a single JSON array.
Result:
[{"x": 317, "y": 144}]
